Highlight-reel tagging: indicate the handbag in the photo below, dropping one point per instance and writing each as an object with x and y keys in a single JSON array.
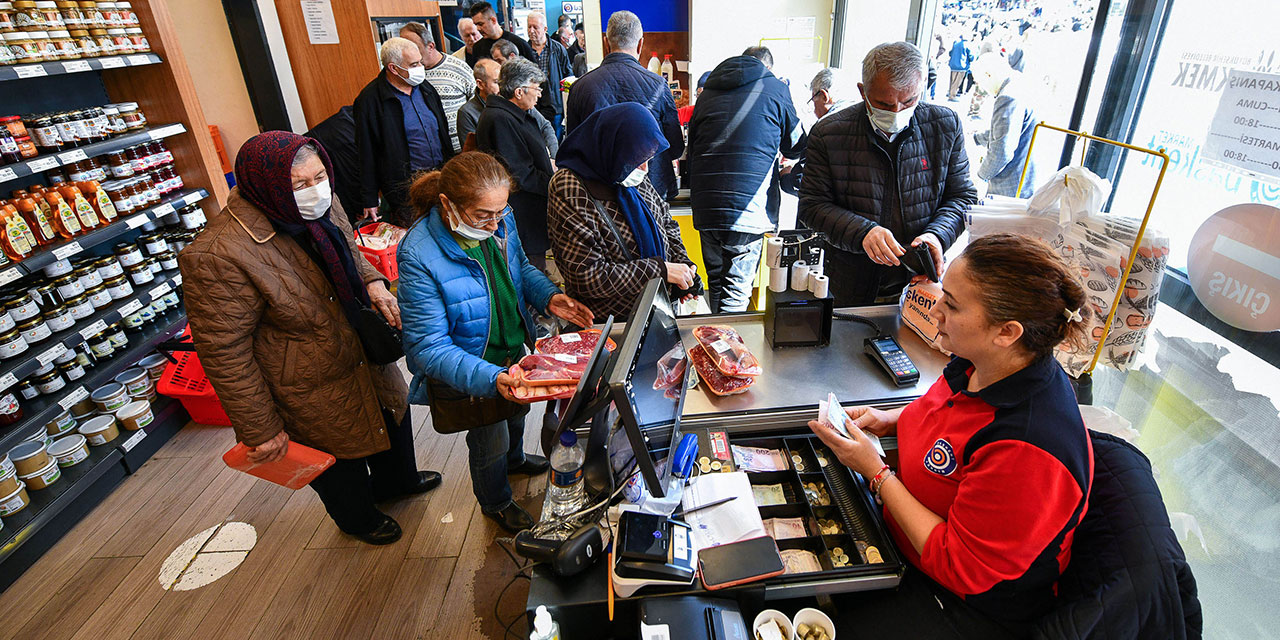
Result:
[
  {"x": 381, "y": 341},
  {"x": 454, "y": 411}
]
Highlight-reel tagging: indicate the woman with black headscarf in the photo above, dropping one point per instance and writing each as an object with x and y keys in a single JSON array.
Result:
[
  {"x": 610, "y": 229},
  {"x": 274, "y": 291}
]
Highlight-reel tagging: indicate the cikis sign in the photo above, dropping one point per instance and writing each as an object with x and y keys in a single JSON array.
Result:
[{"x": 1234, "y": 266}]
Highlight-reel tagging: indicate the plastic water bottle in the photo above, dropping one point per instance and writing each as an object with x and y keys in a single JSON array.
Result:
[
  {"x": 566, "y": 492},
  {"x": 668, "y": 69},
  {"x": 544, "y": 627},
  {"x": 654, "y": 65}
]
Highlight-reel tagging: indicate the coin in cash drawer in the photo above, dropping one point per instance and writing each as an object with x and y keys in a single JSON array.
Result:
[
  {"x": 873, "y": 555},
  {"x": 705, "y": 467},
  {"x": 704, "y": 460},
  {"x": 795, "y": 457},
  {"x": 799, "y": 466},
  {"x": 716, "y": 466},
  {"x": 838, "y": 551}
]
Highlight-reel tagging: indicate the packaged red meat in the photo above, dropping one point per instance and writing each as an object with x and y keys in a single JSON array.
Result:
[
  {"x": 671, "y": 368},
  {"x": 539, "y": 370},
  {"x": 538, "y": 394},
  {"x": 727, "y": 350},
  {"x": 579, "y": 343},
  {"x": 714, "y": 379}
]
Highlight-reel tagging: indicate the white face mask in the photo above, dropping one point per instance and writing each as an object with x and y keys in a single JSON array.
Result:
[
  {"x": 890, "y": 122},
  {"x": 634, "y": 178},
  {"x": 465, "y": 230},
  {"x": 314, "y": 201},
  {"x": 417, "y": 75}
]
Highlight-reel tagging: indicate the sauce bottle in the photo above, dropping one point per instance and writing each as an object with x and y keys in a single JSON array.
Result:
[{"x": 64, "y": 218}]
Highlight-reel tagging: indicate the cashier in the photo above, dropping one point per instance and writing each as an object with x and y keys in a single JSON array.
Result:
[{"x": 996, "y": 464}]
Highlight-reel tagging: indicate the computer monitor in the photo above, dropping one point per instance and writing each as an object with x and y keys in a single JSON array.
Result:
[
  {"x": 650, "y": 414},
  {"x": 588, "y": 404}
]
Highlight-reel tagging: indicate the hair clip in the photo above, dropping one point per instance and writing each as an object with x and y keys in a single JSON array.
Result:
[{"x": 1073, "y": 316}]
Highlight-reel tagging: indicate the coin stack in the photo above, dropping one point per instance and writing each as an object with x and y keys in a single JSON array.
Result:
[
  {"x": 839, "y": 558},
  {"x": 822, "y": 459},
  {"x": 707, "y": 465},
  {"x": 797, "y": 461},
  {"x": 817, "y": 494},
  {"x": 830, "y": 527}
]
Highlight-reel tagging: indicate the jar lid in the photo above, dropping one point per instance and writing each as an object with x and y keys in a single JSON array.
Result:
[
  {"x": 134, "y": 31},
  {"x": 126, "y": 106},
  {"x": 115, "y": 32},
  {"x": 79, "y": 33},
  {"x": 59, "y": 35},
  {"x": 110, "y": 110},
  {"x": 98, "y": 32},
  {"x": 87, "y": 4},
  {"x": 10, "y": 118},
  {"x": 5, "y": 5},
  {"x": 38, "y": 35},
  {"x": 106, "y": 5},
  {"x": 16, "y": 35},
  {"x": 46, "y": 4},
  {"x": 25, "y": 4}
]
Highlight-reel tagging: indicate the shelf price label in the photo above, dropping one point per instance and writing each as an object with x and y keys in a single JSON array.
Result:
[
  {"x": 162, "y": 210},
  {"x": 76, "y": 395},
  {"x": 160, "y": 290},
  {"x": 31, "y": 71},
  {"x": 137, "y": 221},
  {"x": 68, "y": 249},
  {"x": 133, "y": 440},
  {"x": 166, "y": 131},
  {"x": 7, "y": 174},
  {"x": 131, "y": 308},
  {"x": 8, "y": 380},
  {"x": 72, "y": 156},
  {"x": 76, "y": 66},
  {"x": 93, "y": 329},
  {"x": 50, "y": 353},
  {"x": 42, "y": 164},
  {"x": 111, "y": 63},
  {"x": 177, "y": 280},
  {"x": 137, "y": 61},
  {"x": 9, "y": 275}
]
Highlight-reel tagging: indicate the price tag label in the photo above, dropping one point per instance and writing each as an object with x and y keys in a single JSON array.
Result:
[
  {"x": 137, "y": 221},
  {"x": 93, "y": 329},
  {"x": 50, "y": 353},
  {"x": 134, "y": 439},
  {"x": 162, "y": 210},
  {"x": 31, "y": 71},
  {"x": 76, "y": 66},
  {"x": 160, "y": 290},
  {"x": 42, "y": 164},
  {"x": 177, "y": 280},
  {"x": 137, "y": 61},
  {"x": 111, "y": 63},
  {"x": 570, "y": 338},
  {"x": 165, "y": 132},
  {"x": 133, "y": 307},
  {"x": 7, "y": 174},
  {"x": 9, "y": 275},
  {"x": 8, "y": 380},
  {"x": 76, "y": 395},
  {"x": 69, "y": 249},
  {"x": 72, "y": 156}
]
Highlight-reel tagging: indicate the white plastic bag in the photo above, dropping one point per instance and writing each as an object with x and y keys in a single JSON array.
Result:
[
  {"x": 1072, "y": 193},
  {"x": 914, "y": 305}
]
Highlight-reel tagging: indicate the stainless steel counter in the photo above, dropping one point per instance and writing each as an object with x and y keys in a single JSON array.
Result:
[{"x": 795, "y": 379}]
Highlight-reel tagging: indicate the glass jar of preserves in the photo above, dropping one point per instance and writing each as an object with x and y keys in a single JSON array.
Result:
[
  {"x": 6, "y": 321},
  {"x": 26, "y": 17},
  {"x": 34, "y": 330},
  {"x": 154, "y": 265},
  {"x": 149, "y": 189},
  {"x": 119, "y": 164},
  {"x": 162, "y": 150},
  {"x": 59, "y": 319},
  {"x": 168, "y": 260},
  {"x": 100, "y": 346},
  {"x": 26, "y": 148},
  {"x": 92, "y": 15},
  {"x": 103, "y": 40},
  {"x": 84, "y": 211},
  {"x": 88, "y": 46},
  {"x": 101, "y": 202},
  {"x": 127, "y": 14},
  {"x": 22, "y": 47},
  {"x": 137, "y": 158},
  {"x": 138, "y": 40},
  {"x": 46, "y": 134},
  {"x": 172, "y": 178},
  {"x": 137, "y": 192},
  {"x": 48, "y": 52},
  {"x": 52, "y": 17},
  {"x": 46, "y": 294},
  {"x": 99, "y": 124},
  {"x": 27, "y": 390},
  {"x": 118, "y": 287},
  {"x": 6, "y": 55},
  {"x": 120, "y": 199},
  {"x": 68, "y": 286},
  {"x": 66, "y": 131},
  {"x": 82, "y": 170},
  {"x": 48, "y": 383},
  {"x": 82, "y": 122},
  {"x": 128, "y": 254},
  {"x": 66, "y": 47},
  {"x": 21, "y": 306},
  {"x": 115, "y": 124},
  {"x": 119, "y": 41},
  {"x": 40, "y": 225},
  {"x": 71, "y": 14},
  {"x": 64, "y": 217},
  {"x": 141, "y": 274},
  {"x": 15, "y": 125},
  {"x": 6, "y": 17},
  {"x": 12, "y": 344},
  {"x": 88, "y": 276},
  {"x": 79, "y": 307},
  {"x": 154, "y": 243},
  {"x": 110, "y": 18},
  {"x": 9, "y": 153},
  {"x": 134, "y": 119},
  {"x": 99, "y": 297},
  {"x": 108, "y": 267},
  {"x": 115, "y": 333},
  {"x": 72, "y": 371}
]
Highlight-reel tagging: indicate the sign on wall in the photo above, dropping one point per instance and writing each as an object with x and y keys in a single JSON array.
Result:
[
  {"x": 571, "y": 7},
  {"x": 1234, "y": 266},
  {"x": 321, "y": 27},
  {"x": 1245, "y": 133}
]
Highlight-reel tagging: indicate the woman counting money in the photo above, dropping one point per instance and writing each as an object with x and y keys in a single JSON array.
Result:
[{"x": 996, "y": 464}]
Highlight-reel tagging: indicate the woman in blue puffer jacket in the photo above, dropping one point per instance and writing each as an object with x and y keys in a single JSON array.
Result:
[{"x": 465, "y": 290}]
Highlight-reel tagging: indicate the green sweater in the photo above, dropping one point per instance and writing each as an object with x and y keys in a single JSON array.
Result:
[{"x": 506, "y": 331}]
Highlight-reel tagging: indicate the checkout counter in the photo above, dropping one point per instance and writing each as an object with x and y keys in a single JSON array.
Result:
[{"x": 773, "y": 413}]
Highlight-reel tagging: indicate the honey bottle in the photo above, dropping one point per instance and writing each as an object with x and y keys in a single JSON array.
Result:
[
  {"x": 15, "y": 237},
  {"x": 79, "y": 204},
  {"x": 100, "y": 200},
  {"x": 39, "y": 223},
  {"x": 64, "y": 218}
]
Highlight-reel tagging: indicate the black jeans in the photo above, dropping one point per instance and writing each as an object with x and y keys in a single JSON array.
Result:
[
  {"x": 348, "y": 488},
  {"x": 919, "y": 607}
]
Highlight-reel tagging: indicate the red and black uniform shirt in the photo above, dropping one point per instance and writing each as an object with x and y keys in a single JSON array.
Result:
[{"x": 1008, "y": 469}]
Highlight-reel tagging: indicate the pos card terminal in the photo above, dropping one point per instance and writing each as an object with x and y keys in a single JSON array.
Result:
[{"x": 652, "y": 549}]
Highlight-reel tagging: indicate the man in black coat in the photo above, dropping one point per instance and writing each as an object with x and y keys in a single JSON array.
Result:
[
  {"x": 401, "y": 129},
  {"x": 885, "y": 174},
  {"x": 486, "y": 20},
  {"x": 509, "y": 130},
  {"x": 337, "y": 134}
]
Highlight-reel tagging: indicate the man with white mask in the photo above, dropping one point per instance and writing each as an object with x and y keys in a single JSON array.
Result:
[
  {"x": 884, "y": 175},
  {"x": 401, "y": 129}
]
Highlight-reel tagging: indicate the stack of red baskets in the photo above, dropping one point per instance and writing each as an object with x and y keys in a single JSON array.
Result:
[{"x": 185, "y": 380}]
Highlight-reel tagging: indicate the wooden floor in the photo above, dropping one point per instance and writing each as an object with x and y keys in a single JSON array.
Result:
[{"x": 304, "y": 579}]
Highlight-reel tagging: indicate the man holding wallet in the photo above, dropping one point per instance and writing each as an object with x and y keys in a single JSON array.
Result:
[{"x": 883, "y": 177}]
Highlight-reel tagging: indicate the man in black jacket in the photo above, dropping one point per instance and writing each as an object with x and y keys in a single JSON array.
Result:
[
  {"x": 553, "y": 60},
  {"x": 401, "y": 129},
  {"x": 743, "y": 119},
  {"x": 486, "y": 20},
  {"x": 337, "y": 134},
  {"x": 509, "y": 130},
  {"x": 884, "y": 174}
]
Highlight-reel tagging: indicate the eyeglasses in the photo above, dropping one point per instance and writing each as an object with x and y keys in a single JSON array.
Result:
[
  {"x": 533, "y": 87},
  {"x": 484, "y": 222}
]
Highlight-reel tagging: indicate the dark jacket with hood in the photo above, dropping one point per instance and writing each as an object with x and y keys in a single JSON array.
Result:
[
  {"x": 620, "y": 78},
  {"x": 384, "y": 149},
  {"x": 855, "y": 180},
  {"x": 744, "y": 118}
]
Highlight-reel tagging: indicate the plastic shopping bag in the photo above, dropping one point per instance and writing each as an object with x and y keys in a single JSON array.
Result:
[
  {"x": 1072, "y": 193},
  {"x": 915, "y": 304}
]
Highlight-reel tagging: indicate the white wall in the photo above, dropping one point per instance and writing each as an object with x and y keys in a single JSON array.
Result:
[
  {"x": 215, "y": 70},
  {"x": 869, "y": 23}
]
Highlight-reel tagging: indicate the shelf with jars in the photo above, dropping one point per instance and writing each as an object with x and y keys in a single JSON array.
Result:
[
  {"x": 79, "y": 139},
  {"x": 47, "y": 37},
  {"x": 43, "y": 69}
]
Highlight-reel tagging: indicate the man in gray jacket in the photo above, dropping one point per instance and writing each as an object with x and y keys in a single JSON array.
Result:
[{"x": 885, "y": 174}]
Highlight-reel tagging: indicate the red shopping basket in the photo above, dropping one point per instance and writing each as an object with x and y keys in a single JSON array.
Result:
[
  {"x": 384, "y": 260},
  {"x": 184, "y": 379}
]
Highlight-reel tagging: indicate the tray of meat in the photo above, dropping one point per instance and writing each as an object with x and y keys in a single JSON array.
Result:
[
  {"x": 671, "y": 368},
  {"x": 714, "y": 379},
  {"x": 541, "y": 370},
  {"x": 579, "y": 343},
  {"x": 529, "y": 395},
  {"x": 727, "y": 351}
]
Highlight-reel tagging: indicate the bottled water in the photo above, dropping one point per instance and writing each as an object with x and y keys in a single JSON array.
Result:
[{"x": 566, "y": 492}]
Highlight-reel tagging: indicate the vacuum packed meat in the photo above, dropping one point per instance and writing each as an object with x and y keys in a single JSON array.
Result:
[
  {"x": 727, "y": 351},
  {"x": 579, "y": 343},
  {"x": 716, "y": 380},
  {"x": 671, "y": 368},
  {"x": 556, "y": 369}
]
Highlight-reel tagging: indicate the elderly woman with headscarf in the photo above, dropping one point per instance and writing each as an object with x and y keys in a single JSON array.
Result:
[
  {"x": 611, "y": 231},
  {"x": 274, "y": 291}
]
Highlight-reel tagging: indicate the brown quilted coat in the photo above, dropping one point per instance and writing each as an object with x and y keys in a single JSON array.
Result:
[{"x": 274, "y": 341}]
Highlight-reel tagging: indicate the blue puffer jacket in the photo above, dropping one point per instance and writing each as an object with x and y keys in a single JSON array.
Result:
[{"x": 444, "y": 305}]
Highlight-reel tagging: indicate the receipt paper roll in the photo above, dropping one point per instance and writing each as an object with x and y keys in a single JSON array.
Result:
[
  {"x": 777, "y": 280},
  {"x": 820, "y": 285},
  {"x": 773, "y": 253},
  {"x": 800, "y": 276}
]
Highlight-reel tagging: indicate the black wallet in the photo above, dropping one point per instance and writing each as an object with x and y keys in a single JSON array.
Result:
[
  {"x": 381, "y": 341},
  {"x": 919, "y": 260}
]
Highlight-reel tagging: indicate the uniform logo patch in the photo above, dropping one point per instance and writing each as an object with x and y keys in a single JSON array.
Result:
[{"x": 941, "y": 459}]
